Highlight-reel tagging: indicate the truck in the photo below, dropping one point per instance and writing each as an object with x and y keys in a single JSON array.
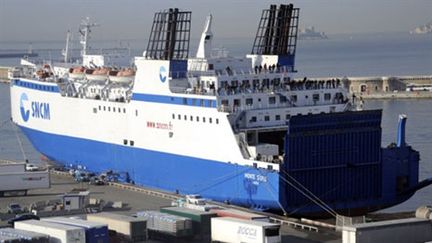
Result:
[
  {"x": 15, "y": 179},
  {"x": 233, "y": 230}
]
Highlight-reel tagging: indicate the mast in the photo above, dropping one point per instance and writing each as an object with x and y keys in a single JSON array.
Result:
[
  {"x": 65, "y": 52},
  {"x": 84, "y": 30}
]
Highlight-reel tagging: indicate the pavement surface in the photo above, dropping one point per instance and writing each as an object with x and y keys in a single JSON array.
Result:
[{"x": 137, "y": 201}]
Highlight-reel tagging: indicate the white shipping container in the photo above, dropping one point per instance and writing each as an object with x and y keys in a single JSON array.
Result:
[
  {"x": 24, "y": 180},
  {"x": 16, "y": 235},
  {"x": 11, "y": 167},
  {"x": 75, "y": 222},
  {"x": 14, "y": 177},
  {"x": 233, "y": 230},
  {"x": 58, "y": 233}
]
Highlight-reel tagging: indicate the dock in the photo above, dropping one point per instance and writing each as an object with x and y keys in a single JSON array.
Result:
[
  {"x": 137, "y": 198},
  {"x": 18, "y": 54}
]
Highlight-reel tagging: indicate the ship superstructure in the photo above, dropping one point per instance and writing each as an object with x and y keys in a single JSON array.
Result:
[{"x": 236, "y": 130}]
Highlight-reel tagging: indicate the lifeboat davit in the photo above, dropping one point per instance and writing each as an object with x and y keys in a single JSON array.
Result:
[{"x": 122, "y": 76}]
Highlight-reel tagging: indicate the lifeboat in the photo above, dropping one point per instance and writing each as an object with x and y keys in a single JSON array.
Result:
[
  {"x": 100, "y": 73},
  {"x": 76, "y": 72},
  {"x": 122, "y": 76}
]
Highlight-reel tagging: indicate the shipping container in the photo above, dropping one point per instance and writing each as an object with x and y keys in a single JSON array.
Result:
[
  {"x": 228, "y": 229},
  {"x": 58, "y": 233},
  {"x": 167, "y": 223},
  {"x": 200, "y": 219},
  {"x": 235, "y": 213},
  {"x": 11, "y": 167},
  {"x": 133, "y": 228},
  {"x": 14, "y": 178},
  {"x": 94, "y": 232},
  {"x": 10, "y": 235}
]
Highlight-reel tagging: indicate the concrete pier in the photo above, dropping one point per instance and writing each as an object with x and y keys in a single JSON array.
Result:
[{"x": 387, "y": 87}]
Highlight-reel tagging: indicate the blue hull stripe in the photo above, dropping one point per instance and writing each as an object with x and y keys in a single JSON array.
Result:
[
  {"x": 172, "y": 100},
  {"x": 170, "y": 172},
  {"x": 212, "y": 179},
  {"x": 40, "y": 87}
]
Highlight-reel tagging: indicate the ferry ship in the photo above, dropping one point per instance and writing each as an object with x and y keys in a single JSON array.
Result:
[
  {"x": 234, "y": 130},
  {"x": 309, "y": 33}
]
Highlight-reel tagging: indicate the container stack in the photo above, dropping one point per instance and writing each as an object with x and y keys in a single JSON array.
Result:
[
  {"x": 57, "y": 232},
  {"x": 200, "y": 220},
  {"x": 167, "y": 223},
  {"x": 94, "y": 232},
  {"x": 131, "y": 228},
  {"x": 10, "y": 235}
]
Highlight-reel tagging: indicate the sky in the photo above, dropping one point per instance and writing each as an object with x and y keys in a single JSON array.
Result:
[{"x": 43, "y": 20}]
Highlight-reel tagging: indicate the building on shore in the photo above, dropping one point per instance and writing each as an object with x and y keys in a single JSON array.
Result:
[{"x": 365, "y": 86}]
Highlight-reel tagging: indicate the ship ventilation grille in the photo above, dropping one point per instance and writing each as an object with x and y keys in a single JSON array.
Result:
[
  {"x": 170, "y": 35},
  {"x": 277, "y": 31}
]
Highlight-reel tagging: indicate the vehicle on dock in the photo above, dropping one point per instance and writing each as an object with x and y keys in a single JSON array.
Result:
[
  {"x": 195, "y": 199},
  {"x": 83, "y": 176},
  {"x": 239, "y": 130},
  {"x": 95, "y": 180},
  {"x": 22, "y": 217},
  {"x": 32, "y": 167},
  {"x": 14, "y": 208}
]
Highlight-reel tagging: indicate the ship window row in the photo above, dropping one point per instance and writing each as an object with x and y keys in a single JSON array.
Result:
[
  {"x": 272, "y": 99},
  {"x": 198, "y": 102},
  {"x": 267, "y": 118},
  {"x": 195, "y": 118},
  {"x": 131, "y": 142},
  {"x": 34, "y": 86},
  {"x": 110, "y": 109}
]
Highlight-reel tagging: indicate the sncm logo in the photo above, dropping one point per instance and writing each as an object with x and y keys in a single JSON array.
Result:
[
  {"x": 162, "y": 74},
  {"x": 39, "y": 110}
]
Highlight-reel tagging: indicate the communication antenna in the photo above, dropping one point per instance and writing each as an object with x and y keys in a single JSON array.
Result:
[{"x": 85, "y": 30}]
